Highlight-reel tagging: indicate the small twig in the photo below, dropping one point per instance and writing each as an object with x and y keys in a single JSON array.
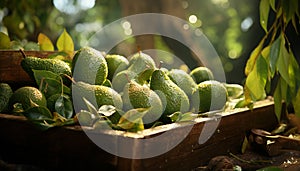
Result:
[
  {"x": 70, "y": 78},
  {"x": 23, "y": 53},
  {"x": 249, "y": 161}
]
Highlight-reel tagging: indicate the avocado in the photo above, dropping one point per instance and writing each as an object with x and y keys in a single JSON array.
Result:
[
  {"x": 89, "y": 65},
  {"x": 97, "y": 95},
  {"x": 54, "y": 65},
  {"x": 183, "y": 80},
  {"x": 210, "y": 95},
  {"x": 115, "y": 64},
  {"x": 139, "y": 63},
  {"x": 5, "y": 94},
  {"x": 201, "y": 74},
  {"x": 141, "y": 96},
  {"x": 26, "y": 96},
  {"x": 173, "y": 97}
]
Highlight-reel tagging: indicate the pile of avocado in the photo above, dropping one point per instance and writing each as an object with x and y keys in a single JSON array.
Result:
[{"x": 126, "y": 94}]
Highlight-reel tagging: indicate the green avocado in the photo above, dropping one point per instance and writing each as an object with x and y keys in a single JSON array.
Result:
[
  {"x": 54, "y": 65},
  {"x": 115, "y": 64},
  {"x": 5, "y": 94},
  {"x": 173, "y": 97},
  {"x": 89, "y": 66},
  {"x": 141, "y": 96},
  {"x": 97, "y": 95},
  {"x": 28, "y": 96}
]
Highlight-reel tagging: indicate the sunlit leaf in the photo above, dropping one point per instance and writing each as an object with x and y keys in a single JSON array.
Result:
[
  {"x": 274, "y": 55},
  {"x": 65, "y": 43},
  {"x": 257, "y": 79},
  {"x": 45, "y": 43},
  {"x": 4, "y": 41},
  {"x": 107, "y": 110},
  {"x": 90, "y": 106},
  {"x": 272, "y": 4},
  {"x": 296, "y": 102},
  {"x": 252, "y": 59},
  {"x": 185, "y": 117},
  {"x": 264, "y": 9},
  {"x": 132, "y": 118},
  {"x": 278, "y": 101},
  {"x": 64, "y": 107}
]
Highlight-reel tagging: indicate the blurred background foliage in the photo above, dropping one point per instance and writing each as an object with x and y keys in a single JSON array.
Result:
[{"x": 232, "y": 26}]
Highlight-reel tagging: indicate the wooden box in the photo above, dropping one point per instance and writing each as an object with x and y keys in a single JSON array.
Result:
[{"x": 69, "y": 148}]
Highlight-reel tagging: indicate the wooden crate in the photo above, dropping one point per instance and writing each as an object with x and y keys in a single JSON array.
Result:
[
  {"x": 10, "y": 69},
  {"x": 67, "y": 148}
]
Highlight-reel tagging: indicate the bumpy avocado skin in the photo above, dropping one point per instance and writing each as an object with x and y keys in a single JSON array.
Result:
[
  {"x": 54, "y": 65},
  {"x": 141, "y": 96},
  {"x": 5, "y": 94},
  {"x": 171, "y": 95},
  {"x": 97, "y": 95},
  {"x": 183, "y": 80},
  {"x": 89, "y": 66}
]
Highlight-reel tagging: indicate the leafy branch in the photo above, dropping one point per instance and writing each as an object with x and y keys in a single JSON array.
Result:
[{"x": 273, "y": 60}]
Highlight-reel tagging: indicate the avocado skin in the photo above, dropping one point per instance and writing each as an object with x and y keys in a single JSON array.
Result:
[
  {"x": 5, "y": 94},
  {"x": 173, "y": 98},
  {"x": 54, "y": 65},
  {"x": 97, "y": 95},
  {"x": 89, "y": 66}
]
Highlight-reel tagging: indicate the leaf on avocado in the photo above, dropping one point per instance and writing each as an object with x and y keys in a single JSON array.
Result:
[
  {"x": 132, "y": 118},
  {"x": 45, "y": 43},
  {"x": 38, "y": 113},
  {"x": 102, "y": 125},
  {"x": 90, "y": 106},
  {"x": 65, "y": 43},
  {"x": 4, "y": 41},
  {"x": 50, "y": 83},
  {"x": 64, "y": 107},
  {"x": 185, "y": 117},
  {"x": 107, "y": 110}
]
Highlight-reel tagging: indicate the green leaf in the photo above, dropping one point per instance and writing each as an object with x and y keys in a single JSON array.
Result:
[
  {"x": 50, "y": 83},
  {"x": 64, "y": 106},
  {"x": 102, "y": 125},
  {"x": 294, "y": 22},
  {"x": 38, "y": 113},
  {"x": 256, "y": 80},
  {"x": 264, "y": 9},
  {"x": 86, "y": 118},
  {"x": 132, "y": 118},
  {"x": 4, "y": 41},
  {"x": 290, "y": 8},
  {"x": 272, "y": 4},
  {"x": 45, "y": 43},
  {"x": 274, "y": 54},
  {"x": 252, "y": 59},
  {"x": 284, "y": 88},
  {"x": 296, "y": 102},
  {"x": 107, "y": 110},
  {"x": 65, "y": 43},
  {"x": 283, "y": 63},
  {"x": 185, "y": 117},
  {"x": 90, "y": 106},
  {"x": 278, "y": 101}
]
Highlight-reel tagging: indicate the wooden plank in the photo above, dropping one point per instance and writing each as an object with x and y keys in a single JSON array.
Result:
[
  {"x": 10, "y": 66},
  {"x": 70, "y": 148}
]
